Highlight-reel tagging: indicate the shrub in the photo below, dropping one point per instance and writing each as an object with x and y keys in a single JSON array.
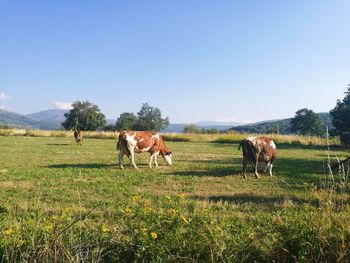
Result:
[{"x": 345, "y": 139}]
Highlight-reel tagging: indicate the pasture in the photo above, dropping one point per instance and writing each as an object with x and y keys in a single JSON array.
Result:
[{"x": 65, "y": 203}]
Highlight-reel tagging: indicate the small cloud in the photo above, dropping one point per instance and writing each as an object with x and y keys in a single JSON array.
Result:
[
  {"x": 3, "y": 96},
  {"x": 62, "y": 105},
  {"x": 3, "y": 107}
]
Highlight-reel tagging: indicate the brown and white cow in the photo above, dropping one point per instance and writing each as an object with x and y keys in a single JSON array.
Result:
[
  {"x": 78, "y": 136},
  {"x": 131, "y": 142},
  {"x": 258, "y": 149}
]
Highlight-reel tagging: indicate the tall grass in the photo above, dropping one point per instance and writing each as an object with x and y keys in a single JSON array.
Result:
[
  {"x": 178, "y": 137},
  {"x": 335, "y": 183},
  {"x": 238, "y": 137},
  {"x": 57, "y": 133}
]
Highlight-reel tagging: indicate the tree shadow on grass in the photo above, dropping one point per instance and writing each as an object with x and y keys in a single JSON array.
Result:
[
  {"x": 221, "y": 161},
  {"x": 82, "y": 165},
  {"x": 299, "y": 169},
  {"x": 221, "y": 171},
  {"x": 59, "y": 144},
  {"x": 271, "y": 201}
]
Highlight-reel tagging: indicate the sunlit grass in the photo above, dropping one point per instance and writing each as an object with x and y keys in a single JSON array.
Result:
[{"x": 69, "y": 203}]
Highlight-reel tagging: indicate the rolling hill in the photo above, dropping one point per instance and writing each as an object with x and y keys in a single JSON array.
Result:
[
  {"x": 179, "y": 127},
  {"x": 280, "y": 126},
  {"x": 54, "y": 116},
  {"x": 51, "y": 119},
  {"x": 15, "y": 120}
]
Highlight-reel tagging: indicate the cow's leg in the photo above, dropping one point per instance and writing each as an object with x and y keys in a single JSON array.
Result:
[
  {"x": 267, "y": 165},
  {"x": 132, "y": 157},
  {"x": 155, "y": 159},
  {"x": 150, "y": 160},
  {"x": 270, "y": 168},
  {"x": 120, "y": 158},
  {"x": 244, "y": 167},
  {"x": 256, "y": 166},
  {"x": 152, "y": 157}
]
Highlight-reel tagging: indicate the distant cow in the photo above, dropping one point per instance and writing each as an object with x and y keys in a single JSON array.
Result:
[
  {"x": 131, "y": 142},
  {"x": 258, "y": 149},
  {"x": 78, "y": 136}
]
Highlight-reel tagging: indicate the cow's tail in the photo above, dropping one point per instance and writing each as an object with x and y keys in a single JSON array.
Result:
[
  {"x": 240, "y": 145},
  {"x": 122, "y": 143}
]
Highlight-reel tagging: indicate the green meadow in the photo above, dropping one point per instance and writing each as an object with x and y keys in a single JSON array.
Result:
[{"x": 65, "y": 203}]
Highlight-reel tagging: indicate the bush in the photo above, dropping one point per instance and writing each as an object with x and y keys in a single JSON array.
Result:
[{"x": 345, "y": 139}]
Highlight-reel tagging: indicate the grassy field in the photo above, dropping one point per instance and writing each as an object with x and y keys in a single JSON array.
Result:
[{"x": 64, "y": 203}]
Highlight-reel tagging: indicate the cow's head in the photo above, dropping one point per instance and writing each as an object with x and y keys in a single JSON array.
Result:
[{"x": 167, "y": 158}]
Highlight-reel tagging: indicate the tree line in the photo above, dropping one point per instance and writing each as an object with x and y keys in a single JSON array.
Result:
[
  {"x": 307, "y": 122},
  {"x": 87, "y": 116}
]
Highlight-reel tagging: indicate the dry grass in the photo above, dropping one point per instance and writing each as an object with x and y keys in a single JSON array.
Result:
[
  {"x": 177, "y": 137},
  {"x": 237, "y": 137}
]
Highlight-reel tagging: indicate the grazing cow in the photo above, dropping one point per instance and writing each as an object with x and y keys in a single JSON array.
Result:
[
  {"x": 78, "y": 136},
  {"x": 131, "y": 142},
  {"x": 258, "y": 149}
]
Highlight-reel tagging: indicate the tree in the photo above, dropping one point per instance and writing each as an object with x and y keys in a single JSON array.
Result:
[
  {"x": 150, "y": 119},
  {"x": 84, "y": 116},
  {"x": 192, "y": 128},
  {"x": 341, "y": 114},
  {"x": 307, "y": 122},
  {"x": 126, "y": 121},
  {"x": 109, "y": 127}
]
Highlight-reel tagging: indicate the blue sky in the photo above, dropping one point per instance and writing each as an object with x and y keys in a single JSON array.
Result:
[{"x": 245, "y": 61}]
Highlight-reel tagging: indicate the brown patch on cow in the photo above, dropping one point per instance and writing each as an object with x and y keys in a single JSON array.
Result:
[{"x": 145, "y": 140}]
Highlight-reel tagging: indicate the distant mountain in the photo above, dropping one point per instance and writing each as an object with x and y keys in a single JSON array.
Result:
[
  {"x": 51, "y": 119},
  {"x": 16, "y": 120},
  {"x": 174, "y": 127},
  {"x": 179, "y": 127},
  {"x": 54, "y": 116},
  {"x": 281, "y": 126},
  {"x": 216, "y": 123}
]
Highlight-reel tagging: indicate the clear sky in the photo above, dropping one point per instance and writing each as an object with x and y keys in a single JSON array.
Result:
[{"x": 245, "y": 61}]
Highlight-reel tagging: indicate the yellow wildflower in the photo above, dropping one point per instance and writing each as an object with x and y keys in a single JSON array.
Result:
[
  {"x": 54, "y": 217},
  {"x": 135, "y": 198},
  {"x": 154, "y": 235},
  {"x": 184, "y": 219},
  {"x": 144, "y": 229},
  {"x": 173, "y": 211},
  {"x": 48, "y": 227},
  {"x": 8, "y": 232},
  {"x": 127, "y": 210},
  {"x": 181, "y": 195},
  {"x": 105, "y": 230},
  {"x": 147, "y": 209}
]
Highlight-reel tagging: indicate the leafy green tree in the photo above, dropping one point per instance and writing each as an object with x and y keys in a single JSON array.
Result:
[
  {"x": 192, "y": 128},
  {"x": 210, "y": 131},
  {"x": 274, "y": 128},
  {"x": 307, "y": 122},
  {"x": 84, "y": 116},
  {"x": 150, "y": 119},
  {"x": 126, "y": 121},
  {"x": 109, "y": 127},
  {"x": 341, "y": 114}
]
